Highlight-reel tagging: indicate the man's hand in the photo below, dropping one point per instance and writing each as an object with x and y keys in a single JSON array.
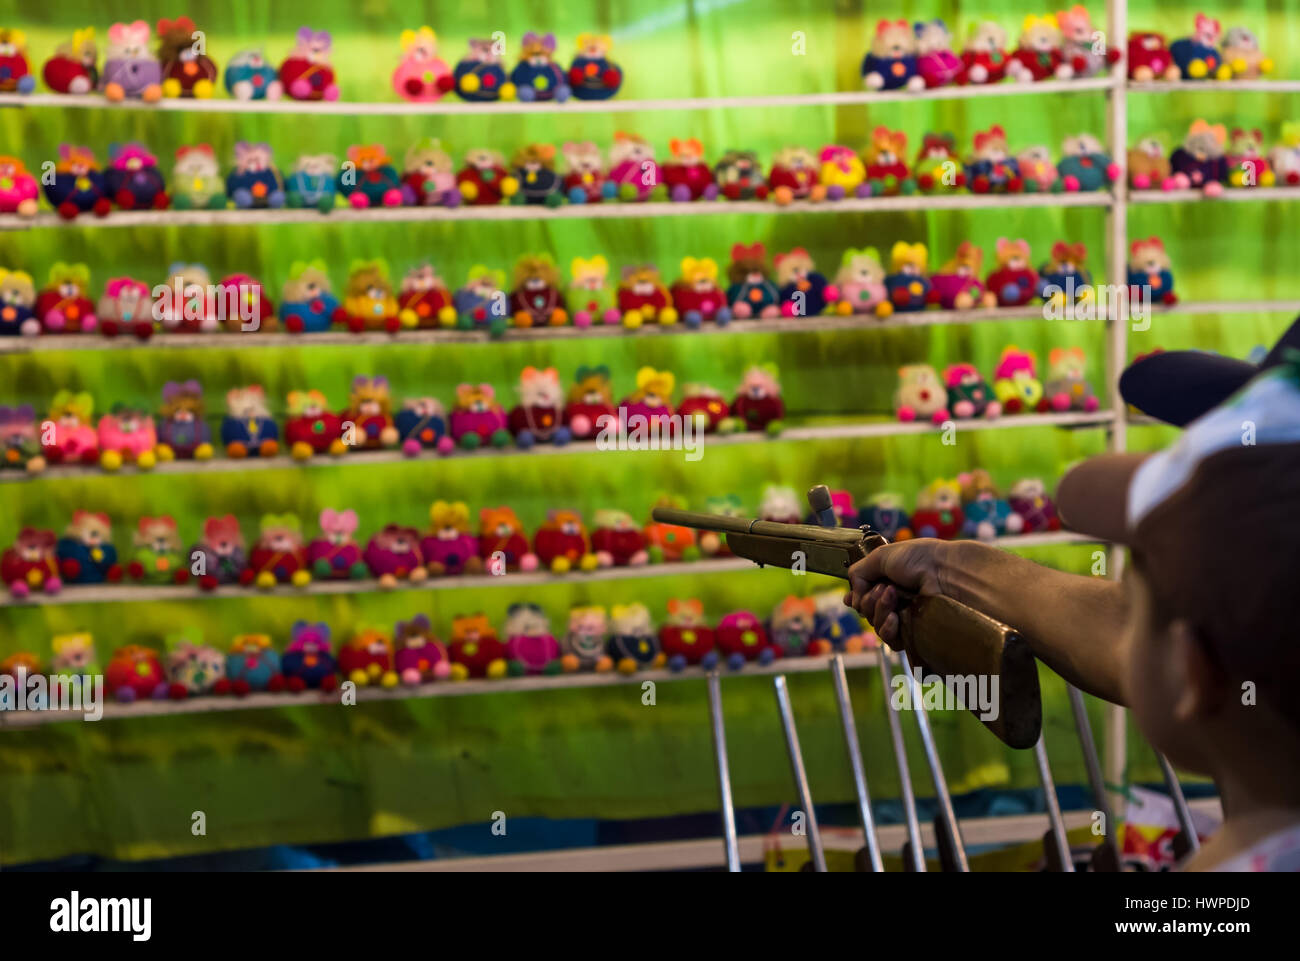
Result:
[{"x": 916, "y": 566}]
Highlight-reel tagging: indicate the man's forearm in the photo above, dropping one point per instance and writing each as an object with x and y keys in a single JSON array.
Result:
[{"x": 1075, "y": 624}]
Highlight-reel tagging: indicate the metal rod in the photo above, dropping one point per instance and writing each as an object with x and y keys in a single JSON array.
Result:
[
  {"x": 915, "y": 846},
  {"x": 1054, "y": 817},
  {"x": 1180, "y": 804},
  {"x": 1092, "y": 761},
  {"x": 841, "y": 680},
  {"x": 800, "y": 776},
  {"x": 944, "y": 800},
  {"x": 729, "y": 840}
]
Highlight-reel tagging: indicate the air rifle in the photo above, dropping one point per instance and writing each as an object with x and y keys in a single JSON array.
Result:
[{"x": 945, "y": 636}]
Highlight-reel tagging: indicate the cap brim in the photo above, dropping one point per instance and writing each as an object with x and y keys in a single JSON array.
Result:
[
  {"x": 1092, "y": 497},
  {"x": 1178, "y": 386}
]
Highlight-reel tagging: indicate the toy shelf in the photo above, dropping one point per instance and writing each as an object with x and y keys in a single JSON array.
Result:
[
  {"x": 856, "y": 430},
  {"x": 1229, "y": 194},
  {"x": 136, "y": 594},
  {"x": 1215, "y": 86}
]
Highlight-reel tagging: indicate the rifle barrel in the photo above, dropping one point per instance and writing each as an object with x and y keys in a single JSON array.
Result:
[{"x": 743, "y": 525}]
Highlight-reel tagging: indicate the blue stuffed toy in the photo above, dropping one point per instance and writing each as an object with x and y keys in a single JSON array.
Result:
[{"x": 890, "y": 64}]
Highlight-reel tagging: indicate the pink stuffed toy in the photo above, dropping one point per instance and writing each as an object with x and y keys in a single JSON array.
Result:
[
  {"x": 17, "y": 188},
  {"x": 393, "y": 554},
  {"x": 420, "y": 655},
  {"x": 335, "y": 554},
  {"x": 126, "y": 434},
  {"x": 417, "y": 76}
]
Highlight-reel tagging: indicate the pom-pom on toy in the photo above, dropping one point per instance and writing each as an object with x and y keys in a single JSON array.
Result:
[
  {"x": 1063, "y": 279},
  {"x": 1199, "y": 162},
  {"x": 196, "y": 180},
  {"x": 252, "y": 664},
  {"x": 793, "y": 176},
  {"x": 643, "y": 297},
  {"x": 73, "y": 438},
  {"x": 585, "y": 181},
  {"x": 1149, "y": 58},
  {"x": 537, "y": 300},
  {"x": 1241, "y": 52},
  {"x": 135, "y": 673},
  {"x": 367, "y": 659},
  {"x": 583, "y": 644},
  {"x": 884, "y": 512},
  {"x": 592, "y": 75},
  {"x": 537, "y": 77},
  {"x": 618, "y": 541},
  {"x": 1012, "y": 280},
  {"x": 886, "y": 165},
  {"x": 1039, "y": 54},
  {"x": 534, "y": 169},
  {"x": 480, "y": 77},
  {"x": 368, "y": 179},
  {"x": 311, "y": 427},
  {"x": 502, "y": 543},
  {"x": 957, "y": 285},
  {"x": 133, "y": 180},
  {"x": 279, "y": 555},
  {"x": 935, "y": 60},
  {"x": 792, "y": 626},
  {"x": 1029, "y": 499},
  {"x": 907, "y": 283},
  {"x": 988, "y": 515},
  {"x": 31, "y": 564},
  {"x": 15, "y": 73},
  {"x": 428, "y": 178},
  {"x": 752, "y": 293},
  {"x": 937, "y": 165},
  {"x": 450, "y": 547},
  {"x": 921, "y": 395},
  {"x": 531, "y": 648},
  {"x": 335, "y": 555},
  {"x": 219, "y": 556},
  {"x": 685, "y": 638},
  {"x": 890, "y": 64},
  {"x": 842, "y": 172},
  {"x": 482, "y": 301},
  {"x": 127, "y": 436},
  {"x": 74, "y": 66},
  {"x": 86, "y": 553},
  {"x": 78, "y": 185},
  {"x": 698, "y": 297},
  {"x": 187, "y": 70},
  {"x": 1086, "y": 52},
  {"x": 1198, "y": 56},
  {"x": 484, "y": 180},
  {"x": 1066, "y": 387},
  {"x": 129, "y": 69},
  {"x": 193, "y": 668},
  {"x": 182, "y": 431},
  {"x": 307, "y": 303},
  {"x": 1246, "y": 164},
  {"x": 633, "y": 644},
  {"x": 125, "y": 307},
  {"x": 741, "y": 638},
  {"x": 539, "y": 415},
  {"x": 633, "y": 168},
  {"x": 369, "y": 303},
  {"x": 1016, "y": 384},
  {"x": 686, "y": 175},
  {"x": 18, "y": 191},
  {"x": 590, "y": 401},
  {"x": 306, "y": 73},
  {"x": 249, "y": 76},
  {"x": 421, "y": 657},
  {"x": 477, "y": 418},
  {"x": 758, "y": 402},
  {"x": 370, "y": 412},
  {"x": 419, "y": 75},
  {"x": 938, "y": 510},
  {"x": 739, "y": 176},
  {"x": 861, "y": 284},
  {"x": 248, "y": 429},
  {"x": 308, "y": 661},
  {"x": 991, "y": 168},
  {"x": 589, "y": 294},
  {"x": 254, "y": 181},
  {"x": 1084, "y": 164},
  {"x": 969, "y": 396},
  {"x": 311, "y": 182},
  {"x": 475, "y": 649},
  {"x": 1148, "y": 167},
  {"x": 984, "y": 58},
  {"x": 18, "y": 304},
  {"x": 804, "y": 291},
  {"x": 20, "y": 445}
]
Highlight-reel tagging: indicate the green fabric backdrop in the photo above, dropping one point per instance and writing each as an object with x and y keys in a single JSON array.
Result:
[{"x": 127, "y": 789}]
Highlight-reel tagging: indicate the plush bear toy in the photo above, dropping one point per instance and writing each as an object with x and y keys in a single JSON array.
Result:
[
  {"x": 1084, "y": 164},
  {"x": 78, "y": 185},
  {"x": 193, "y": 668},
  {"x": 422, "y": 425},
  {"x": 1246, "y": 164},
  {"x": 1150, "y": 271},
  {"x": 1037, "y": 171},
  {"x": 127, "y": 436},
  {"x": 73, "y": 68},
  {"x": 1029, "y": 499},
  {"x": 475, "y": 649},
  {"x": 633, "y": 168},
  {"x": 393, "y": 555},
  {"x": 696, "y": 293},
  {"x": 861, "y": 284},
  {"x": 739, "y": 176},
  {"x": 907, "y": 284},
  {"x": 804, "y": 292},
  {"x": 502, "y": 543},
  {"x": 196, "y": 180},
  {"x": 18, "y": 191},
  {"x": 424, "y": 300},
  {"x": 419, "y": 75},
  {"x": 531, "y": 648},
  {"x": 1241, "y": 52},
  {"x": 687, "y": 175},
  {"x": 18, "y": 304},
  {"x": 369, "y": 179},
  {"x": 752, "y": 293},
  {"x": 73, "y": 438},
  {"x": 969, "y": 396},
  {"x": 311, "y": 427},
  {"x": 429, "y": 177},
  {"x": 633, "y": 643},
  {"x": 650, "y": 406},
  {"x": 938, "y": 510},
  {"x": 670, "y": 543},
  {"x": 1039, "y": 55},
  {"x": 311, "y": 183},
  {"x": 1064, "y": 279},
  {"x": 935, "y": 60},
  {"x": 991, "y": 168},
  {"x": 583, "y": 644},
  {"x": 741, "y": 637},
  {"x": 957, "y": 285},
  {"x": 891, "y": 62},
  {"x": 1198, "y": 56},
  {"x": 308, "y": 661},
  {"x": 20, "y": 445},
  {"x": 484, "y": 180},
  {"x": 86, "y": 553},
  {"x": 937, "y": 166},
  {"x": 590, "y": 295},
  {"x": 643, "y": 297},
  {"x": 1149, "y": 58},
  {"x": 477, "y": 418},
  {"x": 421, "y": 657},
  {"x": 1080, "y": 43},
  {"x": 1012, "y": 280},
  {"x": 129, "y": 69},
  {"x": 842, "y": 172},
  {"x": 988, "y": 515},
  {"x": 335, "y": 555},
  {"x": 884, "y": 512},
  {"x": 537, "y": 300},
  {"x": 758, "y": 404},
  {"x": 592, "y": 75},
  {"x": 369, "y": 303},
  {"x": 450, "y": 547},
  {"x": 1016, "y": 384},
  {"x": 182, "y": 430},
  {"x": 31, "y": 564},
  {"x": 255, "y": 181},
  {"x": 984, "y": 59},
  {"x": 248, "y": 430},
  {"x": 370, "y": 411},
  {"x": 133, "y": 180},
  {"x": 307, "y": 303},
  {"x": 125, "y": 305},
  {"x": 539, "y": 183},
  {"x": 590, "y": 404},
  {"x": 585, "y": 180},
  {"x": 479, "y": 77},
  {"x": 539, "y": 415},
  {"x": 685, "y": 637},
  {"x": 219, "y": 556},
  {"x": 133, "y": 673},
  {"x": 1200, "y": 162},
  {"x": 367, "y": 659},
  {"x": 1148, "y": 167},
  {"x": 792, "y": 626},
  {"x": 537, "y": 76},
  {"x": 921, "y": 395},
  {"x": 252, "y": 664},
  {"x": 279, "y": 555},
  {"x": 793, "y": 176},
  {"x": 250, "y": 77},
  {"x": 187, "y": 70},
  {"x": 886, "y": 164},
  {"x": 618, "y": 541},
  {"x": 306, "y": 73},
  {"x": 1067, "y": 388},
  {"x": 74, "y": 656},
  {"x": 838, "y": 627}
]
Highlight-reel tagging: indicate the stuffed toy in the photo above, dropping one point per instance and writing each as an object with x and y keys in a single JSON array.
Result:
[
  {"x": 617, "y": 540},
  {"x": 422, "y": 425},
  {"x": 793, "y": 176},
  {"x": 1197, "y": 56},
  {"x": 1284, "y": 158},
  {"x": 534, "y": 169},
  {"x": 739, "y": 176},
  {"x": 125, "y": 305},
  {"x": 592, "y": 75},
  {"x": 707, "y": 409},
  {"x": 632, "y": 168},
  {"x": 127, "y": 436},
  {"x": 698, "y": 297},
  {"x": 991, "y": 169},
  {"x": 590, "y": 401},
  {"x": 424, "y": 300},
  {"x": 31, "y": 564},
  {"x": 182, "y": 431},
  {"x": 74, "y": 656},
  {"x": 311, "y": 428},
  {"x": 184, "y": 304},
  {"x": 1084, "y": 164},
  {"x": 187, "y": 70},
  {"x": 252, "y": 664},
  {"x": 250, "y": 77},
  {"x": 307, "y": 303},
  {"x": 842, "y": 172},
  {"x": 884, "y": 513},
  {"x": 73, "y": 68},
  {"x": 633, "y": 644},
  {"x": 307, "y": 661},
  {"x": 306, "y": 73},
  {"x": 1066, "y": 388},
  {"x": 589, "y": 293},
  {"x": 938, "y": 510},
  {"x": 196, "y": 180},
  {"x": 245, "y": 304},
  {"x": 988, "y": 515},
  {"x": 367, "y": 659},
  {"x": 20, "y": 667},
  {"x": 1149, "y": 268},
  {"x": 780, "y": 504},
  {"x": 643, "y": 297},
  {"x": 935, "y": 61},
  {"x": 419, "y": 75},
  {"x": 335, "y": 555},
  {"x": 18, "y": 190},
  {"x": 537, "y": 300},
  {"x": 429, "y": 177},
  {"x": 937, "y": 165},
  {"x": 891, "y": 64},
  {"x": 279, "y": 555},
  {"x": 984, "y": 58},
  {"x": 368, "y": 301},
  {"x": 1029, "y": 499},
  {"x": 219, "y": 556},
  {"x": 957, "y": 286},
  {"x": 311, "y": 182},
  {"x": 74, "y": 438},
  {"x": 369, "y": 179},
  {"x": 370, "y": 413},
  {"x": 792, "y": 627},
  {"x": 1246, "y": 164},
  {"x": 133, "y": 180},
  {"x": 1039, "y": 55},
  {"x": 1199, "y": 162},
  {"x": 687, "y": 175},
  {"x": 1080, "y": 42},
  {"x": 475, "y": 649},
  {"x": 255, "y": 181},
  {"x": 482, "y": 301},
  {"x": 758, "y": 401},
  {"x": 839, "y": 628},
  {"x": 584, "y": 177},
  {"x": 685, "y": 638},
  {"x": 20, "y": 445},
  {"x": 669, "y": 543},
  {"x": 18, "y": 304},
  {"x": 741, "y": 637},
  {"x": 539, "y": 415},
  {"x": 502, "y": 543},
  {"x": 421, "y": 657},
  {"x": 861, "y": 284},
  {"x": 906, "y": 283},
  {"x": 129, "y": 69},
  {"x": 86, "y": 553},
  {"x": 484, "y": 180},
  {"x": 1038, "y": 173},
  {"x": 248, "y": 429},
  {"x": 651, "y": 405},
  {"x": 1016, "y": 384},
  {"x": 537, "y": 77},
  {"x": 78, "y": 185},
  {"x": 887, "y": 172},
  {"x": 561, "y": 543},
  {"x": 969, "y": 396},
  {"x": 752, "y": 293},
  {"x": 135, "y": 673},
  {"x": 1064, "y": 279},
  {"x": 713, "y": 543},
  {"x": 1241, "y": 53},
  {"x": 920, "y": 395},
  {"x": 450, "y": 547},
  {"x": 1012, "y": 280},
  {"x": 193, "y": 668},
  {"x": 1148, "y": 167},
  {"x": 531, "y": 648},
  {"x": 583, "y": 644},
  {"x": 479, "y": 77},
  {"x": 477, "y": 418},
  {"x": 1149, "y": 58}
]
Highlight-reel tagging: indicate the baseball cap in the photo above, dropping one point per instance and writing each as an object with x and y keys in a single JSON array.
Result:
[{"x": 1178, "y": 386}]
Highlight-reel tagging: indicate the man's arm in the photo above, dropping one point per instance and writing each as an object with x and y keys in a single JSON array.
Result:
[{"x": 1074, "y": 624}]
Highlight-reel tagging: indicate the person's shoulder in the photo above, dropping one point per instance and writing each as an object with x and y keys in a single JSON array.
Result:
[{"x": 1280, "y": 851}]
